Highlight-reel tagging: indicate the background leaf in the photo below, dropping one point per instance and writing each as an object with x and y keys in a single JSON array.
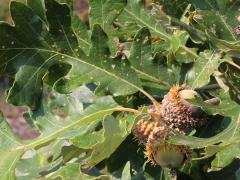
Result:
[
  {"x": 219, "y": 17},
  {"x": 204, "y": 67},
  {"x": 21, "y": 56},
  {"x": 142, "y": 60},
  {"x": 54, "y": 120}
]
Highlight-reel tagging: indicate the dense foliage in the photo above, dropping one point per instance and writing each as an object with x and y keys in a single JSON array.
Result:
[{"x": 86, "y": 83}]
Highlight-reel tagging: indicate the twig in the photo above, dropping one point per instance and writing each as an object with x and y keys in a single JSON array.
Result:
[
  {"x": 207, "y": 88},
  {"x": 123, "y": 109}
]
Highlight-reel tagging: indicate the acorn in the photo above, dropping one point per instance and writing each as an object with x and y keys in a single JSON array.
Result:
[
  {"x": 178, "y": 113},
  {"x": 144, "y": 127},
  {"x": 174, "y": 114},
  {"x": 154, "y": 134},
  {"x": 167, "y": 155}
]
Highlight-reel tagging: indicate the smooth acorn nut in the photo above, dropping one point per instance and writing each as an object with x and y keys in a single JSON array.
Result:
[
  {"x": 187, "y": 94},
  {"x": 166, "y": 155},
  {"x": 169, "y": 156}
]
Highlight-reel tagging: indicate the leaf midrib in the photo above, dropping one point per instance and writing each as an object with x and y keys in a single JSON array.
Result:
[
  {"x": 83, "y": 40},
  {"x": 237, "y": 126},
  {"x": 60, "y": 131},
  {"x": 148, "y": 25},
  {"x": 202, "y": 71},
  {"x": 227, "y": 26},
  {"x": 38, "y": 69},
  {"x": 11, "y": 166},
  {"x": 82, "y": 61}
]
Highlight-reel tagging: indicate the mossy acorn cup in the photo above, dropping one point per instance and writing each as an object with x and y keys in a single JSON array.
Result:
[
  {"x": 180, "y": 114},
  {"x": 174, "y": 114},
  {"x": 153, "y": 134}
]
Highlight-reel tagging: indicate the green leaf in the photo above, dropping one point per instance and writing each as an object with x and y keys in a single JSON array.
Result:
[
  {"x": 49, "y": 45},
  {"x": 126, "y": 174},
  {"x": 194, "y": 169},
  {"x": 112, "y": 74},
  {"x": 218, "y": 17},
  {"x": 36, "y": 163},
  {"x": 79, "y": 27},
  {"x": 134, "y": 17},
  {"x": 229, "y": 76},
  {"x": 225, "y": 157},
  {"x": 174, "y": 8},
  {"x": 89, "y": 140},
  {"x": 115, "y": 131},
  {"x": 39, "y": 8},
  {"x": 29, "y": 49},
  {"x": 104, "y": 142},
  {"x": 51, "y": 128},
  {"x": 230, "y": 135},
  {"x": 73, "y": 172},
  {"x": 8, "y": 163},
  {"x": 231, "y": 171},
  {"x": 143, "y": 62},
  {"x": 104, "y": 12},
  {"x": 53, "y": 120},
  {"x": 68, "y": 172},
  {"x": 179, "y": 40},
  {"x": 203, "y": 68},
  {"x": 82, "y": 33}
]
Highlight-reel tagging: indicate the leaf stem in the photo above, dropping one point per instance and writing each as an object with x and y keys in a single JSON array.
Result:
[
  {"x": 120, "y": 108},
  {"x": 201, "y": 158},
  {"x": 207, "y": 88},
  {"x": 233, "y": 64},
  {"x": 155, "y": 103}
]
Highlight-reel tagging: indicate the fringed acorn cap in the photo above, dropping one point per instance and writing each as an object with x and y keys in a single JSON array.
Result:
[
  {"x": 159, "y": 152},
  {"x": 145, "y": 127},
  {"x": 153, "y": 134},
  {"x": 178, "y": 113}
]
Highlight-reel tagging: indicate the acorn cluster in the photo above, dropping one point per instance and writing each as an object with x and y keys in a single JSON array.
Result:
[{"x": 174, "y": 114}]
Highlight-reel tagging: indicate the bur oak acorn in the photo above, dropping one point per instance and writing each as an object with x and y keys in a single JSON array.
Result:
[
  {"x": 153, "y": 134},
  {"x": 178, "y": 113},
  {"x": 174, "y": 114}
]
